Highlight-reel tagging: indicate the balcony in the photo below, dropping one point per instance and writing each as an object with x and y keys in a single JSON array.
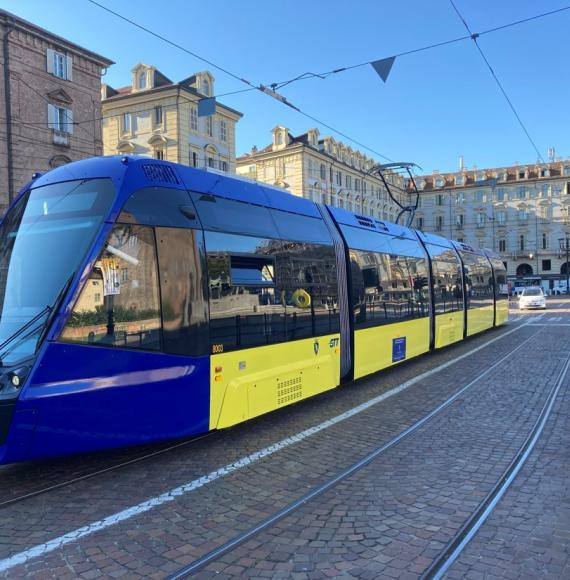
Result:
[{"x": 61, "y": 138}]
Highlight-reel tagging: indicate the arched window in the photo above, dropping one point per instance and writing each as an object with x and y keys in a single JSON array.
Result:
[
  {"x": 142, "y": 80},
  {"x": 524, "y": 270}
]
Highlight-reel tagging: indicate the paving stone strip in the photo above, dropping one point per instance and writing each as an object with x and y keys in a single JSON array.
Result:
[{"x": 194, "y": 524}]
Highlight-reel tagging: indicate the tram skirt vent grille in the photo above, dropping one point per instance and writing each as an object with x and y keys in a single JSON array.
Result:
[{"x": 289, "y": 391}]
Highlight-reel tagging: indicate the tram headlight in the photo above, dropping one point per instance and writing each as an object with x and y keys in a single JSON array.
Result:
[{"x": 11, "y": 382}]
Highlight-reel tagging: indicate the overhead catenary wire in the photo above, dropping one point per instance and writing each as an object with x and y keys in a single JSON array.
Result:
[
  {"x": 235, "y": 76},
  {"x": 474, "y": 36}
]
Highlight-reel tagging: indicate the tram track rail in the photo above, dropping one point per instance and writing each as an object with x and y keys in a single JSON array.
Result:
[
  {"x": 56, "y": 486},
  {"x": 33, "y": 493},
  {"x": 458, "y": 543},
  {"x": 200, "y": 563}
]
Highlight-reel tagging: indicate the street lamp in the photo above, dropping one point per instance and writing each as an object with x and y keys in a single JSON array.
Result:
[{"x": 565, "y": 245}]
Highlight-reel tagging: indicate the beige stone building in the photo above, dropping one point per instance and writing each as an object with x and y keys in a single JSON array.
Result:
[
  {"x": 321, "y": 169},
  {"x": 157, "y": 117},
  {"x": 50, "y": 102},
  {"x": 521, "y": 211}
]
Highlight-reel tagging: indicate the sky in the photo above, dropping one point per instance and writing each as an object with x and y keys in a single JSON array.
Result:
[{"x": 436, "y": 105}]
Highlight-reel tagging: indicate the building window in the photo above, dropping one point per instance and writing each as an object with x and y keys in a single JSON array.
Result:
[
  {"x": 194, "y": 159},
  {"x": 459, "y": 197},
  {"x": 420, "y": 223},
  {"x": 338, "y": 178},
  {"x": 211, "y": 162},
  {"x": 323, "y": 173},
  {"x": 501, "y": 194},
  {"x": 546, "y": 265},
  {"x": 59, "y": 64},
  {"x": 521, "y": 174},
  {"x": 193, "y": 119},
  {"x": 158, "y": 115},
  {"x": 438, "y": 223},
  {"x": 209, "y": 126},
  {"x": 459, "y": 220},
  {"x": 502, "y": 245},
  {"x": 206, "y": 87},
  {"x": 481, "y": 219},
  {"x": 223, "y": 130},
  {"x": 439, "y": 182},
  {"x": 521, "y": 192},
  {"x": 224, "y": 165},
  {"x": 158, "y": 154},
  {"x": 60, "y": 119},
  {"x": 566, "y": 170},
  {"x": 521, "y": 242},
  {"x": 126, "y": 123},
  {"x": 348, "y": 182},
  {"x": 439, "y": 199},
  {"x": 544, "y": 242},
  {"x": 357, "y": 184},
  {"x": 501, "y": 217},
  {"x": 523, "y": 215},
  {"x": 142, "y": 80}
]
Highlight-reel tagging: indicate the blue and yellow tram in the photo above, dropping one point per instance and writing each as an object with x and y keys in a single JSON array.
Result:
[{"x": 142, "y": 301}]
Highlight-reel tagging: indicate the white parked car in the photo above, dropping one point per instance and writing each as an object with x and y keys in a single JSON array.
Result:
[{"x": 532, "y": 297}]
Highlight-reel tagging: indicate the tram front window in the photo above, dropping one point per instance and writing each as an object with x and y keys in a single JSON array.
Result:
[{"x": 43, "y": 239}]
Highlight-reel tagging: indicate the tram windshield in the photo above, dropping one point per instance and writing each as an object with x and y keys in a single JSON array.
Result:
[{"x": 43, "y": 239}]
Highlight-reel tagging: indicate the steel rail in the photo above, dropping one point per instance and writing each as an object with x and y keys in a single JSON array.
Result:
[
  {"x": 198, "y": 564},
  {"x": 35, "y": 493},
  {"x": 458, "y": 543}
]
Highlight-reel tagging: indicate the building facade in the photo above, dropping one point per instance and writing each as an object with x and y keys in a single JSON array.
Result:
[
  {"x": 323, "y": 170},
  {"x": 157, "y": 117},
  {"x": 50, "y": 103},
  {"x": 521, "y": 212}
]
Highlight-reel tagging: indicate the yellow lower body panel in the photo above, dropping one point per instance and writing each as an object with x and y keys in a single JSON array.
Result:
[
  {"x": 479, "y": 319},
  {"x": 448, "y": 328},
  {"x": 251, "y": 382},
  {"x": 383, "y": 346},
  {"x": 502, "y": 313}
]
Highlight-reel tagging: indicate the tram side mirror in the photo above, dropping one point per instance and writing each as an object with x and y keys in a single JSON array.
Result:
[{"x": 188, "y": 211}]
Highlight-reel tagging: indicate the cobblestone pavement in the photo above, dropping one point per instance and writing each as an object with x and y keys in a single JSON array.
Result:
[{"x": 163, "y": 539}]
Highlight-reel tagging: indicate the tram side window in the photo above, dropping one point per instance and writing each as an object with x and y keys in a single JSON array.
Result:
[
  {"x": 388, "y": 288},
  {"x": 119, "y": 305},
  {"x": 307, "y": 287},
  {"x": 245, "y": 309},
  {"x": 478, "y": 280},
  {"x": 264, "y": 291},
  {"x": 183, "y": 289},
  {"x": 447, "y": 286}
]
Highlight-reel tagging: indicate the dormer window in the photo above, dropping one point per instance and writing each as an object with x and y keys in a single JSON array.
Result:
[
  {"x": 566, "y": 170},
  {"x": 206, "y": 87},
  {"x": 142, "y": 80},
  {"x": 480, "y": 176},
  {"x": 502, "y": 176},
  {"x": 439, "y": 181},
  {"x": 459, "y": 180}
]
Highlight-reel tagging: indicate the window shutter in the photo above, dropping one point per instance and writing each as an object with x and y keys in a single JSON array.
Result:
[
  {"x": 50, "y": 59},
  {"x": 51, "y": 116},
  {"x": 69, "y": 68},
  {"x": 69, "y": 120}
]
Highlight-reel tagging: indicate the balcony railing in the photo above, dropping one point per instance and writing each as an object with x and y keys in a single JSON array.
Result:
[{"x": 60, "y": 138}]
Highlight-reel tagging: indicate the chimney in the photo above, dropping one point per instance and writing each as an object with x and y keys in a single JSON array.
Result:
[
  {"x": 461, "y": 163},
  {"x": 551, "y": 154}
]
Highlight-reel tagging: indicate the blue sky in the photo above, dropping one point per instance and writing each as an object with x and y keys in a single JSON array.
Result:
[{"x": 436, "y": 105}]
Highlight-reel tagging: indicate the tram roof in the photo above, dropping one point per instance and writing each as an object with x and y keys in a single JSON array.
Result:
[
  {"x": 369, "y": 224},
  {"x": 134, "y": 171}
]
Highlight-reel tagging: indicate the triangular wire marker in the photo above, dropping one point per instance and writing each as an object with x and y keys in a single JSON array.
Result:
[
  {"x": 383, "y": 67},
  {"x": 206, "y": 107}
]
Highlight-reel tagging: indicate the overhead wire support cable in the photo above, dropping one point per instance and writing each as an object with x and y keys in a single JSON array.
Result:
[{"x": 474, "y": 37}]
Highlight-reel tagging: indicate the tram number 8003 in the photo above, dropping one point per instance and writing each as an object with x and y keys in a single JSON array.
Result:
[{"x": 217, "y": 348}]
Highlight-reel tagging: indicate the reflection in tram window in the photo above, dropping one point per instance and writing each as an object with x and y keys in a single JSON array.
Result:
[
  {"x": 478, "y": 280},
  {"x": 130, "y": 315},
  {"x": 264, "y": 291},
  {"x": 388, "y": 288}
]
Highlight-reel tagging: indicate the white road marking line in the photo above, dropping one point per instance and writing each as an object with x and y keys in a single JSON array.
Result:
[{"x": 102, "y": 524}]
